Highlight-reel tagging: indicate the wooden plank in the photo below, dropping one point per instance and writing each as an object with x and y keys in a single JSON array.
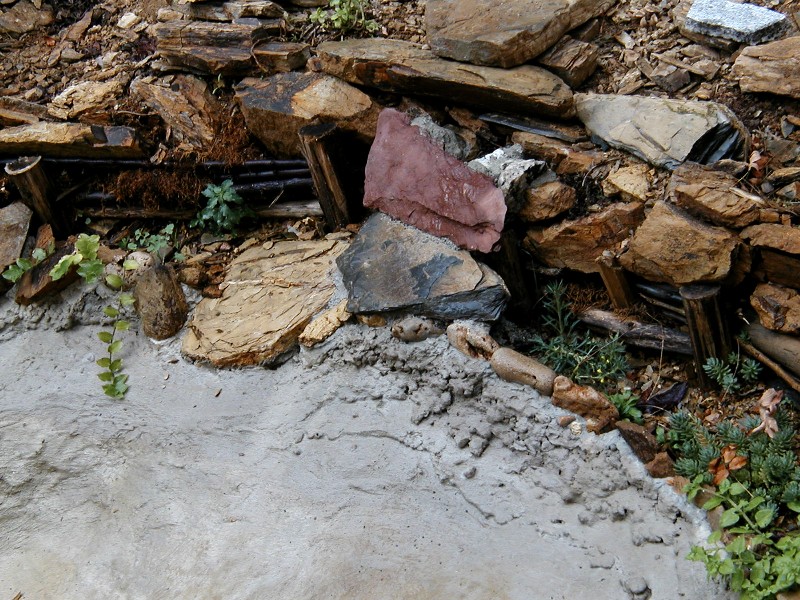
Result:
[
  {"x": 317, "y": 142},
  {"x": 707, "y": 327},
  {"x": 32, "y": 182}
]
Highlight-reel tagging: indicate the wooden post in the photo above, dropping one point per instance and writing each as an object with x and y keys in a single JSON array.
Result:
[
  {"x": 615, "y": 280},
  {"x": 707, "y": 327},
  {"x": 316, "y": 142},
  {"x": 506, "y": 261},
  {"x": 31, "y": 181}
]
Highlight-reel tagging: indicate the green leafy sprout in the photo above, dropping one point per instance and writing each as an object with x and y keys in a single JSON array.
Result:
[
  {"x": 626, "y": 402},
  {"x": 158, "y": 244},
  {"x": 343, "y": 16},
  {"x": 224, "y": 210},
  {"x": 730, "y": 374},
  {"x": 755, "y": 480},
  {"x": 90, "y": 268},
  {"x": 570, "y": 351},
  {"x": 17, "y": 269}
]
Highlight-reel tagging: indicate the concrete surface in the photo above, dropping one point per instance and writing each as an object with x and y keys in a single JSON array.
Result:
[{"x": 367, "y": 468}]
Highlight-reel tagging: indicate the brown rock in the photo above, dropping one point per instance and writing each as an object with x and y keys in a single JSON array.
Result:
[
  {"x": 778, "y": 307},
  {"x": 277, "y": 107},
  {"x": 714, "y": 196},
  {"x": 565, "y": 420},
  {"x": 771, "y": 68},
  {"x": 462, "y": 205},
  {"x": 503, "y": 34},
  {"x": 585, "y": 401},
  {"x": 15, "y": 219},
  {"x": 215, "y": 48},
  {"x": 160, "y": 303},
  {"x": 70, "y": 139},
  {"x": 512, "y": 366},
  {"x": 324, "y": 325},
  {"x": 186, "y": 106},
  {"x": 193, "y": 275},
  {"x": 631, "y": 182},
  {"x": 24, "y": 17},
  {"x": 577, "y": 244},
  {"x": 572, "y": 60},
  {"x": 415, "y": 329},
  {"x": 544, "y": 148},
  {"x": 281, "y": 57},
  {"x": 785, "y": 238},
  {"x": 579, "y": 162},
  {"x": 403, "y": 67},
  {"x": 673, "y": 247},
  {"x": 270, "y": 295},
  {"x": 546, "y": 201},
  {"x": 661, "y": 466},
  {"x": 84, "y": 97},
  {"x": 472, "y": 339},
  {"x": 642, "y": 442}
]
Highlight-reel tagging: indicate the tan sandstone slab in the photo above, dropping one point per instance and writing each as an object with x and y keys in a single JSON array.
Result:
[
  {"x": 404, "y": 67},
  {"x": 778, "y": 307},
  {"x": 270, "y": 295}
]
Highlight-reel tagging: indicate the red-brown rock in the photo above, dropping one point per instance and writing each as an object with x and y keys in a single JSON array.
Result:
[
  {"x": 412, "y": 179},
  {"x": 642, "y": 442},
  {"x": 585, "y": 401}
]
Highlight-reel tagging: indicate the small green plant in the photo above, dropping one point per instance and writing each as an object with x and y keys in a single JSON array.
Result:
[
  {"x": 17, "y": 269},
  {"x": 344, "y": 16},
  {"x": 570, "y": 351},
  {"x": 727, "y": 374},
  {"x": 626, "y": 402},
  {"x": 224, "y": 210},
  {"x": 115, "y": 382},
  {"x": 157, "y": 244},
  {"x": 90, "y": 268},
  {"x": 750, "y": 470}
]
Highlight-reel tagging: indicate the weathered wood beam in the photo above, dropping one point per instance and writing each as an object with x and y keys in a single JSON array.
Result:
[
  {"x": 318, "y": 142},
  {"x": 707, "y": 327},
  {"x": 638, "y": 334},
  {"x": 28, "y": 175}
]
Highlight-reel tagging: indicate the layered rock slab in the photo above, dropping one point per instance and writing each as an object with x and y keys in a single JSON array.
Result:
[
  {"x": 391, "y": 266},
  {"x": 70, "y": 140},
  {"x": 661, "y": 131},
  {"x": 276, "y": 108},
  {"x": 714, "y": 196},
  {"x": 672, "y": 247},
  {"x": 411, "y": 178},
  {"x": 503, "y": 34},
  {"x": 404, "y": 67},
  {"x": 577, "y": 244},
  {"x": 270, "y": 294},
  {"x": 771, "y": 68}
]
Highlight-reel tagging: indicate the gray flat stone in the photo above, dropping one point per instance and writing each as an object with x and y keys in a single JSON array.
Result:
[
  {"x": 661, "y": 131},
  {"x": 391, "y": 266},
  {"x": 746, "y": 23}
]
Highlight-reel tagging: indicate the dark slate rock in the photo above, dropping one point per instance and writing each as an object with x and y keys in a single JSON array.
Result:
[{"x": 391, "y": 266}]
